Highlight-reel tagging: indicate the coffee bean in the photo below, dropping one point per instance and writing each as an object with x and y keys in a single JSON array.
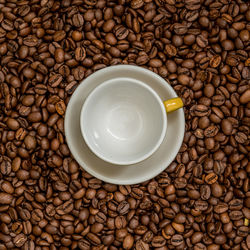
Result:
[
  {"x": 19, "y": 240},
  {"x": 221, "y": 208},
  {"x": 243, "y": 231},
  {"x": 55, "y": 80},
  {"x": 83, "y": 244},
  {"x": 37, "y": 215},
  {"x": 128, "y": 242},
  {"x": 245, "y": 97},
  {"x": 5, "y": 167},
  {"x": 60, "y": 107},
  {"x": 29, "y": 245},
  {"x": 215, "y": 61},
  {"x": 30, "y": 41},
  {"x": 140, "y": 245},
  {"x": 121, "y": 32},
  {"x": 59, "y": 35},
  {"x": 201, "y": 205},
  {"x": 205, "y": 192},
  {"x": 226, "y": 126},
  {"x": 211, "y": 178},
  {"x": 13, "y": 124},
  {"x": 77, "y": 20},
  {"x": 235, "y": 204},
  {"x": 170, "y": 50},
  {"x": 202, "y": 41},
  {"x": 176, "y": 240},
  {"x": 178, "y": 227},
  {"x": 80, "y": 53},
  {"x": 158, "y": 241},
  {"x": 59, "y": 55},
  {"x": 5, "y": 198}
]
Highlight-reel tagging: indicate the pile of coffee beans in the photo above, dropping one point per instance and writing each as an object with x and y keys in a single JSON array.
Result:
[{"x": 202, "y": 201}]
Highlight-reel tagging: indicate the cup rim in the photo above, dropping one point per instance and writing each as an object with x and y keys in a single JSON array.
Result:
[{"x": 163, "y": 115}]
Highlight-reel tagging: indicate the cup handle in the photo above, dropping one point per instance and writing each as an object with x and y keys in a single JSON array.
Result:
[{"x": 173, "y": 104}]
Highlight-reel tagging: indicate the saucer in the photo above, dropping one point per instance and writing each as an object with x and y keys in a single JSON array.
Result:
[{"x": 126, "y": 174}]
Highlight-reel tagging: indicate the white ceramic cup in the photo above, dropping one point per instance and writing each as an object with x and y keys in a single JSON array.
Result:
[{"x": 124, "y": 121}]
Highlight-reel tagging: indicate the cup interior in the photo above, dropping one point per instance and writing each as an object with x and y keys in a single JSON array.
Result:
[{"x": 123, "y": 121}]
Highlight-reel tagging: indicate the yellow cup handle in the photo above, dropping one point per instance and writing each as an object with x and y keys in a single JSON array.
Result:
[{"x": 173, "y": 104}]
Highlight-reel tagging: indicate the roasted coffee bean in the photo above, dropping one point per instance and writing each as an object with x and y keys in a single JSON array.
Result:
[
  {"x": 176, "y": 240},
  {"x": 19, "y": 240},
  {"x": 211, "y": 178},
  {"x": 59, "y": 55},
  {"x": 55, "y": 80},
  {"x": 205, "y": 192},
  {"x": 128, "y": 242},
  {"x": 30, "y": 41},
  {"x": 80, "y": 53},
  {"x": 221, "y": 208},
  {"x": 5, "y": 198},
  {"x": 140, "y": 245},
  {"x": 5, "y": 167},
  {"x": 59, "y": 35}
]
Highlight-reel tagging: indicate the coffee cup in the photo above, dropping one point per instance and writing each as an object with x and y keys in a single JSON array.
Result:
[{"x": 124, "y": 121}]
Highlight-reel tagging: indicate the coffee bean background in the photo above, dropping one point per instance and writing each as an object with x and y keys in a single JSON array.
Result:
[{"x": 202, "y": 201}]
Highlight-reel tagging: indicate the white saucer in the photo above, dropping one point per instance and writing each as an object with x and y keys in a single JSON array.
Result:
[{"x": 126, "y": 174}]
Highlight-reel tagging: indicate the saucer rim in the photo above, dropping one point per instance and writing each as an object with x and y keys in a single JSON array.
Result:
[{"x": 141, "y": 178}]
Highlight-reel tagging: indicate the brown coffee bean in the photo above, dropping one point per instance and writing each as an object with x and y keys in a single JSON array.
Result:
[
  {"x": 77, "y": 35},
  {"x": 202, "y": 41},
  {"x": 37, "y": 215},
  {"x": 59, "y": 35},
  {"x": 30, "y": 41},
  {"x": 5, "y": 167},
  {"x": 77, "y": 20},
  {"x": 227, "y": 45},
  {"x": 226, "y": 127},
  {"x": 121, "y": 32},
  {"x": 211, "y": 131},
  {"x": 55, "y": 80},
  {"x": 215, "y": 61},
  {"x": 217, "y": 190},
  {"x": 29, "y": 244},
  {"x": 178, "y": 227},
  {"x": 245, "y": 97},
  {"x": 60, "y": 107},
  {"x": 13, "y": 124},
  {"x": 184, "y": 79},
  {"x": 158, "y": 241},
  {"x": 221, "y": 208},
  {"x": 22, "y": 174},
  {"x": 5, "y": 198},
  {"x": 30, "y": 142},
  {"x": 84, "y": 214},
  {"x": 205, "y": 192},
  {"x": 110, "y": 39},
  {"x": 80, "y": 53},
  {"x": 170, "y": 50},
  {"x": 235, "y": 204},
  {"x": 211, "y": 178},
  {"x": 59, "y": 55},
  {"x": 201, "y": 205},
  {"x": 176, "y": 240},
  {"x": 35, "y": 117},
  {"x": 140, "y": 245},
  {"x": 128, "y": 242},
  {"x": 19, "y": 240}
]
